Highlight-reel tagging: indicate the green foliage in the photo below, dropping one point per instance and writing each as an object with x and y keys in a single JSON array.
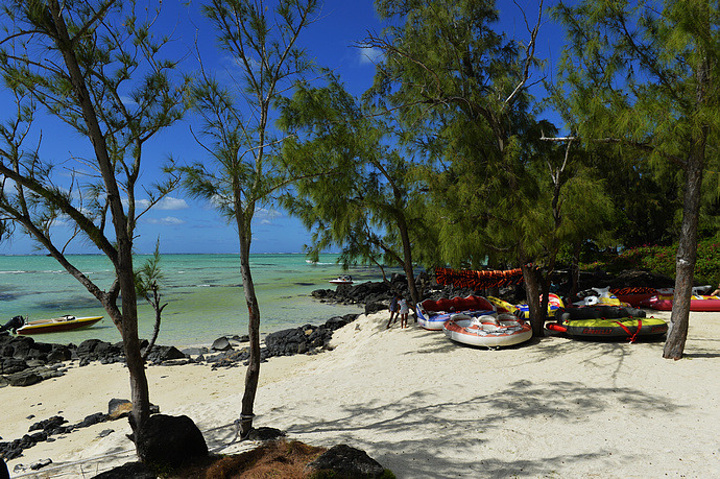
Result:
[
  {"x": 352, "y": 189},
  {"x": 236, "y": 118},
  {"x": 149, "y": 277},
  {"x": 84, "y": 83},
  {"x": 661, "y": 260}
]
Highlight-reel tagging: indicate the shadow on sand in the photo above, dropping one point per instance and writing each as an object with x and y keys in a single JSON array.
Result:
[{"x": 442, "y": 435}]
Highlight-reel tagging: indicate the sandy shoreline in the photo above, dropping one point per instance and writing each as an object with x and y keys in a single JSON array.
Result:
[{"x": 426, "y": 407}]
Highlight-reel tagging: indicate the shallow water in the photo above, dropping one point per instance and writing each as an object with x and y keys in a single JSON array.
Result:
[{"x": 204, "y": 294}]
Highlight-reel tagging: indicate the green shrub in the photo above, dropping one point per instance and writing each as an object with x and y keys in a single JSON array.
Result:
[{"x": 661, "y": 260}]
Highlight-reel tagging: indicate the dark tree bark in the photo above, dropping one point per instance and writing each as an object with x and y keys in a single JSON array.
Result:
[
  {"x": 252, "y": 375},
  {"x": 407, "y": 261},
  {"x": 123, "y": 261},
  {"x": 686, "y": 255},
  {"x": 532, "y": 291}
]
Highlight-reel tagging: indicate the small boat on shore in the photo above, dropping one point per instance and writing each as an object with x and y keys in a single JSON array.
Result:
[
  {"x": 56, "y": 325},
  {"x": 344, "y": 279},
  {"x": 489, "y": 331}
]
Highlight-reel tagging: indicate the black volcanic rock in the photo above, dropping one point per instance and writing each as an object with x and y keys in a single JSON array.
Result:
[
  {"x": 169, "y": 441},
  {"x": 345, "y": 462}
]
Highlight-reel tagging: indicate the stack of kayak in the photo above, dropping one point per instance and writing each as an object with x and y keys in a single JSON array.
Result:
[
  {"x": 607, "y": 322},
  {"x": 662, "y": 299}
]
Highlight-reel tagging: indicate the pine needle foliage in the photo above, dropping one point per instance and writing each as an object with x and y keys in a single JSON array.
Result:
[{"x": 356, "y": 191}]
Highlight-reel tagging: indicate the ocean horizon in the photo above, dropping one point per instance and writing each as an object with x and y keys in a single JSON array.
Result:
[{"x": 203, "y": 291}]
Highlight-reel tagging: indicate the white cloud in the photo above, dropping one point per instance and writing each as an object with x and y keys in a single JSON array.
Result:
[
  {"x": 139, "y": 204},
  {"x": 167, "y": 203},
  {"x": 371, "y": 55},
  {"x": 170, "y": 203},
  {"x": 266, "y": 216},
  {"x": 166, "y": 221}
]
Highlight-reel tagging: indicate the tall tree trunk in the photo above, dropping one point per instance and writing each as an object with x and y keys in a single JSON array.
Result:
[
  {"x": 139, "y": 390},
  {"x": 687, "y": 244},
  {"x": 686, "y": 256},
  {"x": 123, "y": 226},
  {"x": 252, "y": 374},
  {"x": 407, "y": 261},
  {"x": 544, "y": 292},
  {"x": 575, "y": 270},
  {"x": 532, "y": 292}
]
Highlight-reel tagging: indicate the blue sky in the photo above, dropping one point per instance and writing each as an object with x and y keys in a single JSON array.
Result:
[{"x": 185, "y": 225}]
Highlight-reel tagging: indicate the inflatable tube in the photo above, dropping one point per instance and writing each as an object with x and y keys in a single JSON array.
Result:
[
  {"x": 634, "y": 296},
  {"x": 431, "y": 315},
  {"x": 489, "y": 331},
  {"x": 620, "y": 328},
  {"x": 697, "y": 303},
  {"x": 556, "y": 327},
  {"x": 597, "y": 312}
]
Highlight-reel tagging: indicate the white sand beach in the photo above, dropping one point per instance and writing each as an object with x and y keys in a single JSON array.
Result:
[{"x": 425, "y": 407}]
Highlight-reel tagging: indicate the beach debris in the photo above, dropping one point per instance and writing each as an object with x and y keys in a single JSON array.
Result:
[
  {"x": 169, "y": 441},
  {"x": 346, "y": 461}
]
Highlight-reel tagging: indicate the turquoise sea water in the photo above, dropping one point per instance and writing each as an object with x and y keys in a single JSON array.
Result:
[{"x": 204, "y": 294}]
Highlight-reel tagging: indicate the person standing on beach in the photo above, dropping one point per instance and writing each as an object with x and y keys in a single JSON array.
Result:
[
  {"x": 393, "y": 310},
  {"x": 403, "y": 312}
]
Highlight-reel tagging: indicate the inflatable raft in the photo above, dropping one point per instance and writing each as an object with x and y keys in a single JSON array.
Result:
[
  {"x": 594, "y": 296},
  {"x": 607, "y": 322},
  {"x": 697, "y": 303},
  {"x": 631, "y": 329},
  {"x": 490, "y": 330},
  {"x": 598, "y": 311},
  {"x": 432, "y": 315},
  {"x": 634, "y": 296}
]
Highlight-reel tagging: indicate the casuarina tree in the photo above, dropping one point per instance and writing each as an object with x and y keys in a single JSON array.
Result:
[
  {"x": 459, "y": 91},
  {"x": 241, "y": 173},
  {"x": 97, "y": 68}
]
